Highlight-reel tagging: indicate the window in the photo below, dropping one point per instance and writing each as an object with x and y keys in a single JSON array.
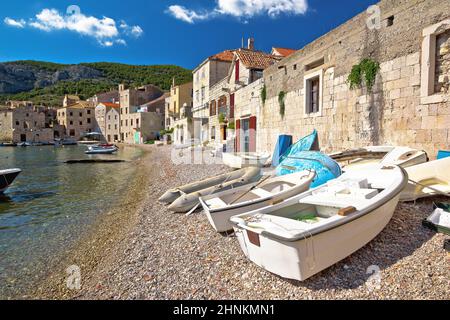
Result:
[
  {"x": 109, "y": 127},
  {"x": 89, "y": 112},
  {"x": 294, "y": 67},
  {"x": 71, "y": 114},
  {"x": 27, "y": 114},
  {"x": 71, "y": 123},
  {"x": 81, "y": 123},
  {"x": 137, "y": 123},
  {"x": 203, "y": 93},
  {"x": 109, "y": 117},
  {"x": 131, "y": 122},
  {"x": 213, "y": 133},
  {"x": 17, "y": 123},
  {"x": 314, "y": 64},
  {"x": 313, "y": 93},
  {"x": 72, "y": 132},
  {"x": 88, "y": 120},
  {"x": 126, "y": 123},
  {"x": 81, "y": 114}
]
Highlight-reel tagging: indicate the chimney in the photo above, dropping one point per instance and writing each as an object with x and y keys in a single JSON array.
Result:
[{"x": 251, "y": 44}]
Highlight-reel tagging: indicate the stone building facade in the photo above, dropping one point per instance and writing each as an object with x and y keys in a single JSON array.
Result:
[
  {"x": 409, "y": 103},
  {"x": 78, "y": 119},
  {"x": 24, "y": 124},
  {"x": 112, "y": 125},
  {"x": 104, "y": 121},
  {"x": 206, "y": 75}
]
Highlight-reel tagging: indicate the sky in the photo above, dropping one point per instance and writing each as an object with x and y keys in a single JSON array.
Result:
[{"x": 148, "y": 32}]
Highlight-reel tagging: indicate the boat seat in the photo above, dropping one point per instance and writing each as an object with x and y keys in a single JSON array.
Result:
[
  {"x": 262, "y": 193},
  {"x": 216, "y": 203}
]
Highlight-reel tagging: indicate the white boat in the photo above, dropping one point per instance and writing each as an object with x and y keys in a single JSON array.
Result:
[
  {"x": 427, "y": 179},
  {"x": 244, "y": 160},
  {"x": 220, "y": 207},
  {"x": 308, "y": 233},
  {"x": 400, "y": 156},
  {"x": 102, "y": 149},
  {"x": 186, "y": 197},
  {"x": 7, "y": 177}
]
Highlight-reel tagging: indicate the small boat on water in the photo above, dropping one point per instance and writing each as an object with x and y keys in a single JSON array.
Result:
[
  {"x": 310, "y": 232},
  {"x": 400, "y": 156},
  {"x": 102, "y": 149},
  {"x": 7, "y": 177},
  {"x": 220, "y": 207},
  {"x": 186, "y": 197},
  {"x": 245, "y": 160},
  {"x": 427, "y": 179},
  {"x": 8, "y": 144},
  {"x": 24, "y": 144}
]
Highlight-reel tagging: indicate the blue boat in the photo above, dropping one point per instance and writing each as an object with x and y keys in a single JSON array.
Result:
[
  {"x": 308, "y": 143},
  {"x": 443, "y": 154},
  {"x": 283, "y": 144},
  {"x": 325, "y": 167}
]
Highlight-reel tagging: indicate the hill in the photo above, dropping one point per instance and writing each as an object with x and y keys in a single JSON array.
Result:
[{"x": 47, "y": 83}]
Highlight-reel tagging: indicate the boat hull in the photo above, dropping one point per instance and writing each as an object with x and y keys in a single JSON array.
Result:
[
  {"x": 243, "y": 160},
  {"x": 7, "y": 177},
  {"x": 300, "y": 260}
]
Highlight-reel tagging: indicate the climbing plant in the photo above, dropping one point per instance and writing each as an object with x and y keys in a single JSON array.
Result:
[
  {"x": 231, "y": 126},
  {"x": 281, "y": 97},
  {"x": 221, "y": 118},
  {"x": 368, "y": 69},
  {"x": 264, "y": 94}
]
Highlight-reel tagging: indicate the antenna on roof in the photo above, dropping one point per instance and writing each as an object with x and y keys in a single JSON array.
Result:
[{"x": 242, "y": 46}]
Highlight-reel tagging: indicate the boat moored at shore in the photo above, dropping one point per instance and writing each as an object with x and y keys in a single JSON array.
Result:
[{"x": 7, "y": 177}]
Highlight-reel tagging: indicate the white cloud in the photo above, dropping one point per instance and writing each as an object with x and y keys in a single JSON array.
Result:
[
  {"x": 135, "y": 31},
  {"x": 186, "y": 15},
  {"x": 15, "y": 23},
  {"x": 104, "y": 29},
  {"x": 241, "y": 9}
]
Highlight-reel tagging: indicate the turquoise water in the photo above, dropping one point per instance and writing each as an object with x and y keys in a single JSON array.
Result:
[{"x": 50, "y": 205}]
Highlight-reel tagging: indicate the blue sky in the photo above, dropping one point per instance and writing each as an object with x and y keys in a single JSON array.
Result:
[{"x": 180, "y": 32}]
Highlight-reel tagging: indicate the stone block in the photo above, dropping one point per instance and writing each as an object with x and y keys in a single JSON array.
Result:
[
  {"x": 429, "y": 122},
  {"x": 439, "y": 135},
  {"x": 393, "y": 75},
  {"x": 442, "y": 122},
  {"x": 413, "y": 59}
]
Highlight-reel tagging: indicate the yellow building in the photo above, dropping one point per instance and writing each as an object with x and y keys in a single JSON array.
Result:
[{"x": 78, "y": 119}]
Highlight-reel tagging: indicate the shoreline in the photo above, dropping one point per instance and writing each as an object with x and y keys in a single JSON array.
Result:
[
  {"x": 97, "y": 243},
  {"x": 161, "y": 255}
]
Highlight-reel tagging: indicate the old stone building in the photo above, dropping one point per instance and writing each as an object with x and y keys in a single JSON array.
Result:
[
  {"x": 408, "y": 104},
  {"x": 141, "y": 113},
  {"x": 24, "y": 124},
  {"x": 206, "y": 75},
  {"x": 106, "y": 124},
  {"x": 78, "y": 119}
]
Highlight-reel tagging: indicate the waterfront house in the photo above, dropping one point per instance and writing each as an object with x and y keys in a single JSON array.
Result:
[
  {"x": 70, "y": 99},
  {"x": 141, "y": 113},
  {"x": 178, "y": 108},
  {"x": 24, "y": 123},
  {"x": 78, "y": 119},
  {"x": 212, "y": 70},
  {"x": 107, "y": 122},
  {"x": 408, "y": 104}
]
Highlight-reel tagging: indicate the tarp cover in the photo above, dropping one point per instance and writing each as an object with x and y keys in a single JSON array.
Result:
[
  {"x": 308, "y": 143},
  {"x": 283, "y": 144},
  {"x": 325, "y": 167}
]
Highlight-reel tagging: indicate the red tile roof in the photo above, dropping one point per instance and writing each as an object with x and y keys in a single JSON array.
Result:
[
  {"x": 112, "y": 105},
  {"x": 284, "y": 52},
  {"x": 256, "y": 59},
  {"x": 226, "y": 55}
]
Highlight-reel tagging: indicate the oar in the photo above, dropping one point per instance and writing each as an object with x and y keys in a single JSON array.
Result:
[
  {"x": 431, "y": 188},
  {"x": 252, "y": 188}
]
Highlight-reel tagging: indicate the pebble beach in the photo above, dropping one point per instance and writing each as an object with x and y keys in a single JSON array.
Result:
[{"x": 143, "y": 251}]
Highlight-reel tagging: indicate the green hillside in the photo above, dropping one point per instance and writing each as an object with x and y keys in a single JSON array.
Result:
[{"x": 112, "y": 75}]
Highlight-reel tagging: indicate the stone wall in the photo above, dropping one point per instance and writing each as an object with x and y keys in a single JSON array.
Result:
[
  {"x": 391, "y": 113},
  {"x": 443, "y": 63}
]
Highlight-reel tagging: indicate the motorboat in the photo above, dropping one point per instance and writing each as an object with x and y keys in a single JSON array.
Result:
[
  {"x": 184, "y": 198},
  {"x": 310, "y": 232},
  {"x": 220, "y": 207},
  {"x": 24, "y": 144},
  {"x": 427, "y": 179},
  {"x": 401, "y": 156},
  {"x": 102, "y": 149},
  {"x": 7, "y": 177}
]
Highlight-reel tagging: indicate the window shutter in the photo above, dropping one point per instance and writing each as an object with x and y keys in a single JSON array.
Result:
[
  {"x": 252, "y": 147},
  {"x": 237, "y": 144},
  {"x": 236, "y": 71},
  {"x": 231, "y": 116}
]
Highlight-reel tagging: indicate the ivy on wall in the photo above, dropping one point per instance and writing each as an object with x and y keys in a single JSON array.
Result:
[
  {"x": 264, "y": 94},
  {"x": 366, "y": 70},
  {"x": 281, "y": 97}
]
